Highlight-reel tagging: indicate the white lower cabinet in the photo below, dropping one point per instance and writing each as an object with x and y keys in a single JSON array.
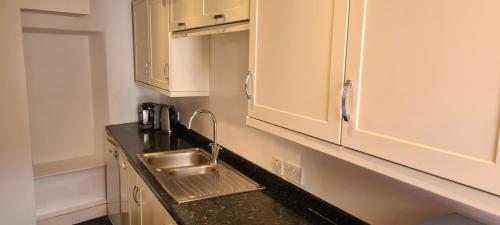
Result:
[
  {"x": 412, "y": 82},
  {"x": 134, "y": 196},
  {"x": 160, "y": 215},
  {"x": 144, "y": 207},
  {"x": 124, "y": 191},
  {"x": 152, "y": 211},
  {"x": 112, "y": 181}
]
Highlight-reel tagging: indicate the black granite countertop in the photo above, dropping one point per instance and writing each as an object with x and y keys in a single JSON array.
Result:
[{"x": 279, "y": 203}]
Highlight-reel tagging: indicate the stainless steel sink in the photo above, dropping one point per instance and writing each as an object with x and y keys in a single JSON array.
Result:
[
  {"x": 190, "y": 171},
  {"x": 189, "y": 175},
  {"x": 183, "y": 158}
]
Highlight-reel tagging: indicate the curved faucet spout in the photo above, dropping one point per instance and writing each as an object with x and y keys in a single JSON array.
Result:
[{"x": 214, "y": 146}]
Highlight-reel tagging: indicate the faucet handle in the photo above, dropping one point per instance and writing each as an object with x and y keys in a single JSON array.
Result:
[
  {"x": 215, "y": 151},
  {"x": 213, "y": 145}
]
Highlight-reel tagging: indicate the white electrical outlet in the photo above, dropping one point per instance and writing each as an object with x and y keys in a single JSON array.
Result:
[
  {"x": 277, "y": 166},
  {"x": 293, "y": 173}
]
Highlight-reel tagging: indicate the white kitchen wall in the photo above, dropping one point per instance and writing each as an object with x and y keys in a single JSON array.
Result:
[
  {"x": 84, "y": 63},
  {"x": 17, "y": 193},
  {"x": 372, "y": 197}
]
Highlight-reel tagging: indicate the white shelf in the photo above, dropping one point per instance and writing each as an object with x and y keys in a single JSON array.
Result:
[
  {"x": 67, "y": 166},
  {"x": 64, "y": 198},
  {"x": 69, "y": 208}
]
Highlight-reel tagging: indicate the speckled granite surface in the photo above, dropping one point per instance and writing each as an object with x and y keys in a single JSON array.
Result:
[{"x": 280, "y": 203}]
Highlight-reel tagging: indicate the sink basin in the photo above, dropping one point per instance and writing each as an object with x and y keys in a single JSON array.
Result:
[
  {"x": 188, "y": 175},
  {"x": 174, "y": 159},
  {"x": 190, "y": 171}
]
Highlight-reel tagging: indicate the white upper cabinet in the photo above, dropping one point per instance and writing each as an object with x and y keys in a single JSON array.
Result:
[
  {"x": 157, "y": 55},
  {"x": 226, "y": 11},
  {"x": 160, "y": 43},
  {"x": 141, "y": 40},
  {"x": 188, "y": 14},
  {"x": 426, "y": 86},
  {"x": 297, "y": 64}
]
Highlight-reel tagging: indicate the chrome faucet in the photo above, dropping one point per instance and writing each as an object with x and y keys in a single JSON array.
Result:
[{"x": 214, "y": 146}]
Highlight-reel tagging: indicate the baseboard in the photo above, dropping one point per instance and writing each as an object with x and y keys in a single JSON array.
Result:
[{"x": 74, "y": 215}]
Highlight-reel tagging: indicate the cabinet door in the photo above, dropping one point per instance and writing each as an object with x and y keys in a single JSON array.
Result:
[
  {"x": 147, "y": 204},
  {"x": 297, "y": 62},
  {"x": 186, "y": 14},
  {"x": 124, "y": 193},
  {"x": 134, "y": 194},
  {"x": 141, "y": 41},
  {"x": 225, "y": 11},
  {"x": 160, "y": 41},
  {"x": 112, "y": 183},
  {"x": 161, "y": 216},
  {"x": 426, "y": 86},
  {"x": 153, "y": 212}
]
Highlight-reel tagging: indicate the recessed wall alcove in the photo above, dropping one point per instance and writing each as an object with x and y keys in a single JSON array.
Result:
[
  {"x": 68, "y": 109},
  {"x": 67, "y": 96}
]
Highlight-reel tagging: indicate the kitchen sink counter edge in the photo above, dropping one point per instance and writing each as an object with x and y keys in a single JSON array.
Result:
[{"x": 280, "y": 203}]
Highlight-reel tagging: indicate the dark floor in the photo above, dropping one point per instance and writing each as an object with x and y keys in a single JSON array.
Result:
[{"x": 97, "y": 221}]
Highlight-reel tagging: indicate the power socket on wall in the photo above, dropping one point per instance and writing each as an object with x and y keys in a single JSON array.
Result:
[
  {"x": 277, "y": 166},
  {"x": 293, "y": 173}
]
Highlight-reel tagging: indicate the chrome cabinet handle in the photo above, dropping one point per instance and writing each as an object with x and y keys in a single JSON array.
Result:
[
  {"x": 181, "y": 25},
  {"x": 165, "y": 71},
  {"x": 345, "y": 91},
  {"x": 247, "y": 81},
  {"x": 123, "y": 165},
  {"x": 146, "y": 67},
  {"x": 219, "y": 16},
  {"x": 134, "y": 194}
]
